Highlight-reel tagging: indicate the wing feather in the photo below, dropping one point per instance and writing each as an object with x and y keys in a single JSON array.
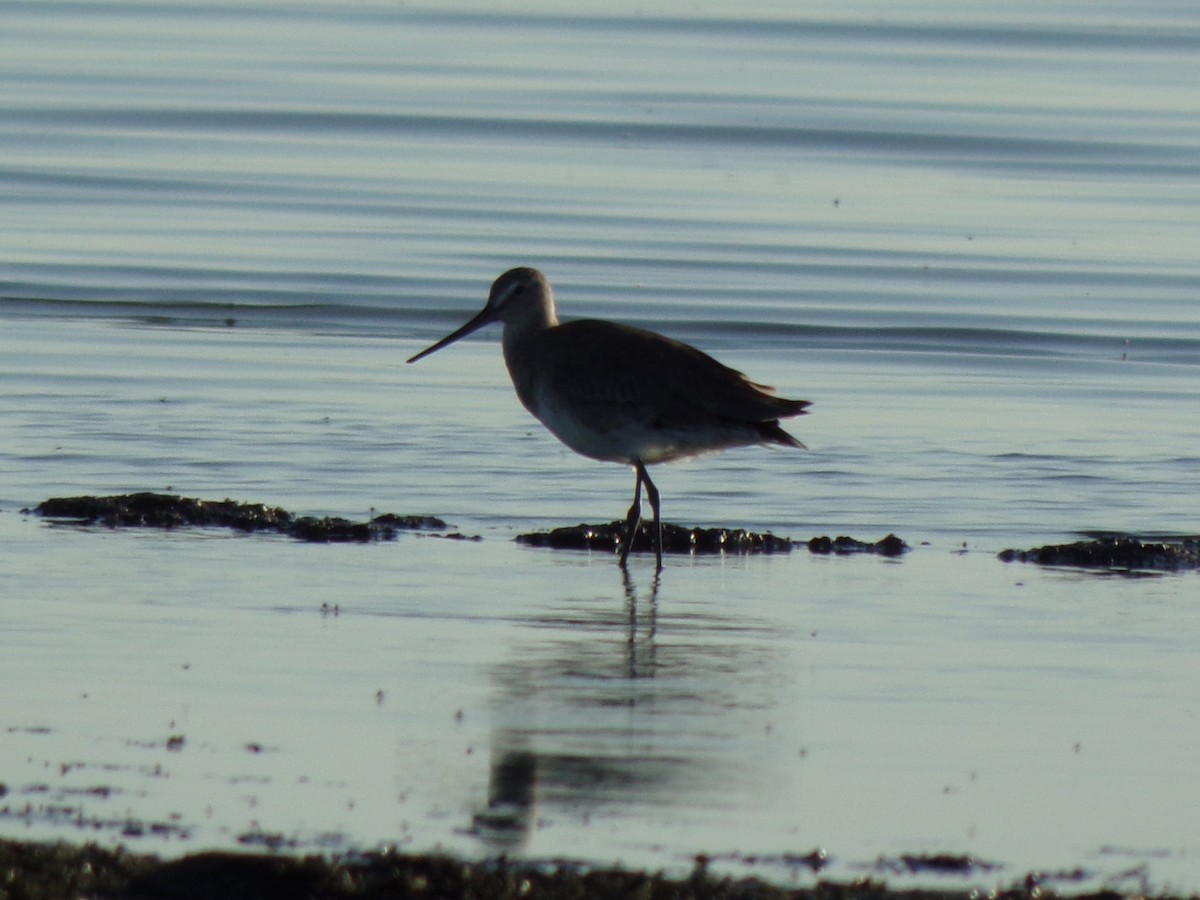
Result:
[{"x": 605, "y": 369}]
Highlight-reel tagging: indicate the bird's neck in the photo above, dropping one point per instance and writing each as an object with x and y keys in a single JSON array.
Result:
[
  {"x": 519, "y": 343},
  {"x": 521, "y": 329}
]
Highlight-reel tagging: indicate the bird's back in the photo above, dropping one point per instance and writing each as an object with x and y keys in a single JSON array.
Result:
[{"x": 615, "y": 392}]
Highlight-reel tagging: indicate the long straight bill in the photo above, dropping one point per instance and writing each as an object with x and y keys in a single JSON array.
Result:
[{"x": 485, "y": 316}]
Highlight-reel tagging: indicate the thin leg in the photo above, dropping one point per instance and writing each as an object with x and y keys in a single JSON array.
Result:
[
  {"x": 634, "y": 517},
  {"x": 652, "y": 496}
]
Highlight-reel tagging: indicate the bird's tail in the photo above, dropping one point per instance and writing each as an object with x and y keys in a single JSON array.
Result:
[{"x": 773, "y": 434}]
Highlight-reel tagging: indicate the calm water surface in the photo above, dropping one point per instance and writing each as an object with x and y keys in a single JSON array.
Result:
[{"x": 968, "y": 237}]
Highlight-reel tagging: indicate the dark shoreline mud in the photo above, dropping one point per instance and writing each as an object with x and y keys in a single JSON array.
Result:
[
  {"x": 1125, "y": 554},
  {"x": 678, "y": 539},
  {"x": 170, "y": 511},
  {"x": 50, "y": 871},
  {"x": 1119, "y": 553}
]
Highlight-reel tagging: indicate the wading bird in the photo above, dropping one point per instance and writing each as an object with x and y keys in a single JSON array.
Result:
[{"x": 622, "y": 394}]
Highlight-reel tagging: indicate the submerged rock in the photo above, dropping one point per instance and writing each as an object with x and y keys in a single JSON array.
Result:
[
  {"x": 151, "y": 510},
  {"x": 676, "y": 539},
  {"x": 1120, "y": 552}
]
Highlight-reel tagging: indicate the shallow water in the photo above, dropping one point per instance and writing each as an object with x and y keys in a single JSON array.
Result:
[{"x": 968, "y": 239}]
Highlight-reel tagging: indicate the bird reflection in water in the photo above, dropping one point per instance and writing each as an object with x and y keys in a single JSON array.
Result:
[
  {"x": 641, "y": 655},
  {"x": 518, "y": 771}
]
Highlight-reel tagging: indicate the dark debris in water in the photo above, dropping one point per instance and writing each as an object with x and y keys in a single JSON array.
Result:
[
  {"x": 43, "y": 871},
  {"x": 935, "y": 863},
  {"x": 813, "y": 861},
  {"x": 169, "y": 511},
  {"x": 1117, "y": 552},
  {"x": 40, "y": 804},
  {"x": 676, "y": 539}
]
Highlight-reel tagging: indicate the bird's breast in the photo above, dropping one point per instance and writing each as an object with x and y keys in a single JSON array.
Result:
[{"x": 589, "y": 429}]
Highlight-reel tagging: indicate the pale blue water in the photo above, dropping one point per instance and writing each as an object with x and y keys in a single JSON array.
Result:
[{"x": 967, "y": 236}]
